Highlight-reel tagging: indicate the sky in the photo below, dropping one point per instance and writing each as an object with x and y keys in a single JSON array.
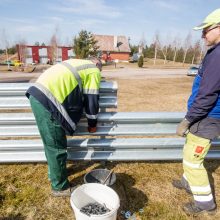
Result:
[{"x": 33, "y": 21}]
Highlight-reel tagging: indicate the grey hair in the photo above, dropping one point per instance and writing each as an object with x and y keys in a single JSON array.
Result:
[{"x": 96, "y": 61}]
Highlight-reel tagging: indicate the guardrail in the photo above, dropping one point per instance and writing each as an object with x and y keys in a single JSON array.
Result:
[
  {"x": 114, "y": 139},
  {"x": 12, "y": 95}
]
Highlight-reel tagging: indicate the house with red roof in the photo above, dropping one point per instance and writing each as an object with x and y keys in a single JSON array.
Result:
[{"x": 113, "y": 47}]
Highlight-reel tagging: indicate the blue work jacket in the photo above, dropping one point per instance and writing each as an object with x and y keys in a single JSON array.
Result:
[{"x": 205, "y": 98}]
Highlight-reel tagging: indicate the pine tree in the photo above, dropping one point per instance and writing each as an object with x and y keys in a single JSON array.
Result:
[
  {"x": 141, "y": 61},
  {"x": 85, "y": 45}
]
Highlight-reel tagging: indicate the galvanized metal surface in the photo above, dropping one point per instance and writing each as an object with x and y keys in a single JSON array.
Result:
[
  {"x": 107, "y": 155},
  {"x": 96, "y": 143},
  {"x": 95, "y": 149},
  {"x": 19, "y": 89},
  {"x": 102, "y": 130},
  {"x": 17, "y": 125},
  {"x": 112, "y": 143},
  {"x": 107, "y": 117},
  {"x": 21, "y": 102}
]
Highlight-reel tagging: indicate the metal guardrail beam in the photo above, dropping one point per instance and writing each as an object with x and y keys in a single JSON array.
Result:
[
  {"x": 109, "y": 124},
  {"x": 108, "y": 143},
  {"x": 107, "y": 117},
  {"x": 112, "y": 143},
  {"x": 21, "y": 102},
  {"x": 19, "y": 89},
  {"x": 102, "y": 130},
  {"x": 108, "y": 155}
]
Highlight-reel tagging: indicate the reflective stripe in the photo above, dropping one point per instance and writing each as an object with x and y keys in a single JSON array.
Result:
[
  {"x": 59, "y": 107},
  {"x": 92, "y": 116},
  {"x": 184, "y": 176},
  {"x": 85, "y": 66},
  {"x": 201, "y": 188},
  {"x": 75, "y": 73},
  {"x": 91, "y": 91},
  {"x": 203, "y": 198},
  {"x": 192, "y": 165}
]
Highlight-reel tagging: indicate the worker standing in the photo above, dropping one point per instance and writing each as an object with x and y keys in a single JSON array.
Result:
[
  {"x": 57, "y": 100},
  {"x": 202, "y": 121}
]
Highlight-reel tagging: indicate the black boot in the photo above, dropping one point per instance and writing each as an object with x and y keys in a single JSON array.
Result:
[
  {"x": 191, "y": 209},
  {"x": 179, "y": 185}
]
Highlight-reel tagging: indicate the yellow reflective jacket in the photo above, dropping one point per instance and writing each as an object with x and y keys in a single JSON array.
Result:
[{"x": 65, "y": 88}]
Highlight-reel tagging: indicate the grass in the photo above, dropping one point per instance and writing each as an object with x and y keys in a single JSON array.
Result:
[
  {"x": 149, "y": 63},
  {"x": 25, "y": 189}
]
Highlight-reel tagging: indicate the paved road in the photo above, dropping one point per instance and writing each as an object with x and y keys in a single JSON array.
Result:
[
  {"x": 125, "y": 73},
  {"x": 121, "y": 73},
  {"x": 17, "y": 76}
]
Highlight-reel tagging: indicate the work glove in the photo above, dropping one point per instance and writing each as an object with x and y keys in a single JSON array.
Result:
[
  {"x": 92, "y": 129},
  {"x": 183, "y": 127}
]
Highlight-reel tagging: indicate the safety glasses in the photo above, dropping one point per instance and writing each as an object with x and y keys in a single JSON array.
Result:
[{"x": 205, "y": 31}]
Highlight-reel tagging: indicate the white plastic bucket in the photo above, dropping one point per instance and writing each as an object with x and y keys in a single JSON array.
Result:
[{"x": 91, "y": 193}]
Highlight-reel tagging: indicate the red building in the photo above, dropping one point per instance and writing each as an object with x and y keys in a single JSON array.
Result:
[
  {"x": 116, "y": 46},
  {"x": 44, "y": 54},
  {"x": 111, "y": 47}
]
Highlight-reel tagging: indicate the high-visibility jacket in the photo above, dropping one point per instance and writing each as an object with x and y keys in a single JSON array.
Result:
[{"x": 66, "y": 88}]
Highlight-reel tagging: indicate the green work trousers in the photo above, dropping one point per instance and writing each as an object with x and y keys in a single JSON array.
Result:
[{"x": 55, "y": 145}]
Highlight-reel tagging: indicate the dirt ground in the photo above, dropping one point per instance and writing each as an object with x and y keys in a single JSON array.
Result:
[
  {"x": 153, "y": 94},
  {"x": 25, "y": 190}
]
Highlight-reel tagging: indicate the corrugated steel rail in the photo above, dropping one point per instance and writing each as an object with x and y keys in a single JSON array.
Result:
[
  {"x": 21, "y": 102},
  {"x": 19, "y": 89},
  {"x": 12, "y": 95},
  {"x": 20, "y": 141},
  {"x": 123, "y": 149}
]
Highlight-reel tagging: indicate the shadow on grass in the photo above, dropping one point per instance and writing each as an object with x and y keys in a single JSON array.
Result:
[
  {"x": 211, "y": 167},
  {"x": 79, "y": 167},
  {"x": 131, "y": 199}
]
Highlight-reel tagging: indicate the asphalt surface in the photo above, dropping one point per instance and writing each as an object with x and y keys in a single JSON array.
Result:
[
  {"x": 139, "y": 73},
  {"x": 119, "y": 72}
]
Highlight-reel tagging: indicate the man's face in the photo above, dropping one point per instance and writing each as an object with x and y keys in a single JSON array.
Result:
[{"x": 211, "y": 35}]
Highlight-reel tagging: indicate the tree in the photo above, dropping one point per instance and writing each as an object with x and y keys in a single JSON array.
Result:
[
  {"x": 134, "y": 49},
  {"x": 196, "y": 51},
  {"x": 142, "y": 45},
  {"x": 22, "y": 51},
  {"x": 164, "y": 48},
  {"x": 149, "y": 51},
  {"x": 53, "y": 48},
  {"x": 5, "y": 41},
  {"x": 180, "y": 54},
  {"x": 12, "y": 50},
  {"x": 186, "y": 46},
  {"x": 140, "y": 61},
  {"x": 175, "y": 48},
  {"x": 85, "y": 45},
  {"x": 164, "y": 52},
  {"x": 202, "y": 51},
  {"x": 156, "y": 46}
]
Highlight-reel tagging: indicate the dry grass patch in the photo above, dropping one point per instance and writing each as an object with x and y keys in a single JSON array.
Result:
[{"x": 25, "y": 190}]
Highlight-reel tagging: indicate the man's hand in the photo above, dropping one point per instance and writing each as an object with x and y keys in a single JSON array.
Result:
[
  {"x": 92, "y": 129},
  {"x": 183, "y": 127}
]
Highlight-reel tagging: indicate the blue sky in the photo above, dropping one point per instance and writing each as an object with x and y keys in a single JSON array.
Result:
[{"x": 38, "y": 20}]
